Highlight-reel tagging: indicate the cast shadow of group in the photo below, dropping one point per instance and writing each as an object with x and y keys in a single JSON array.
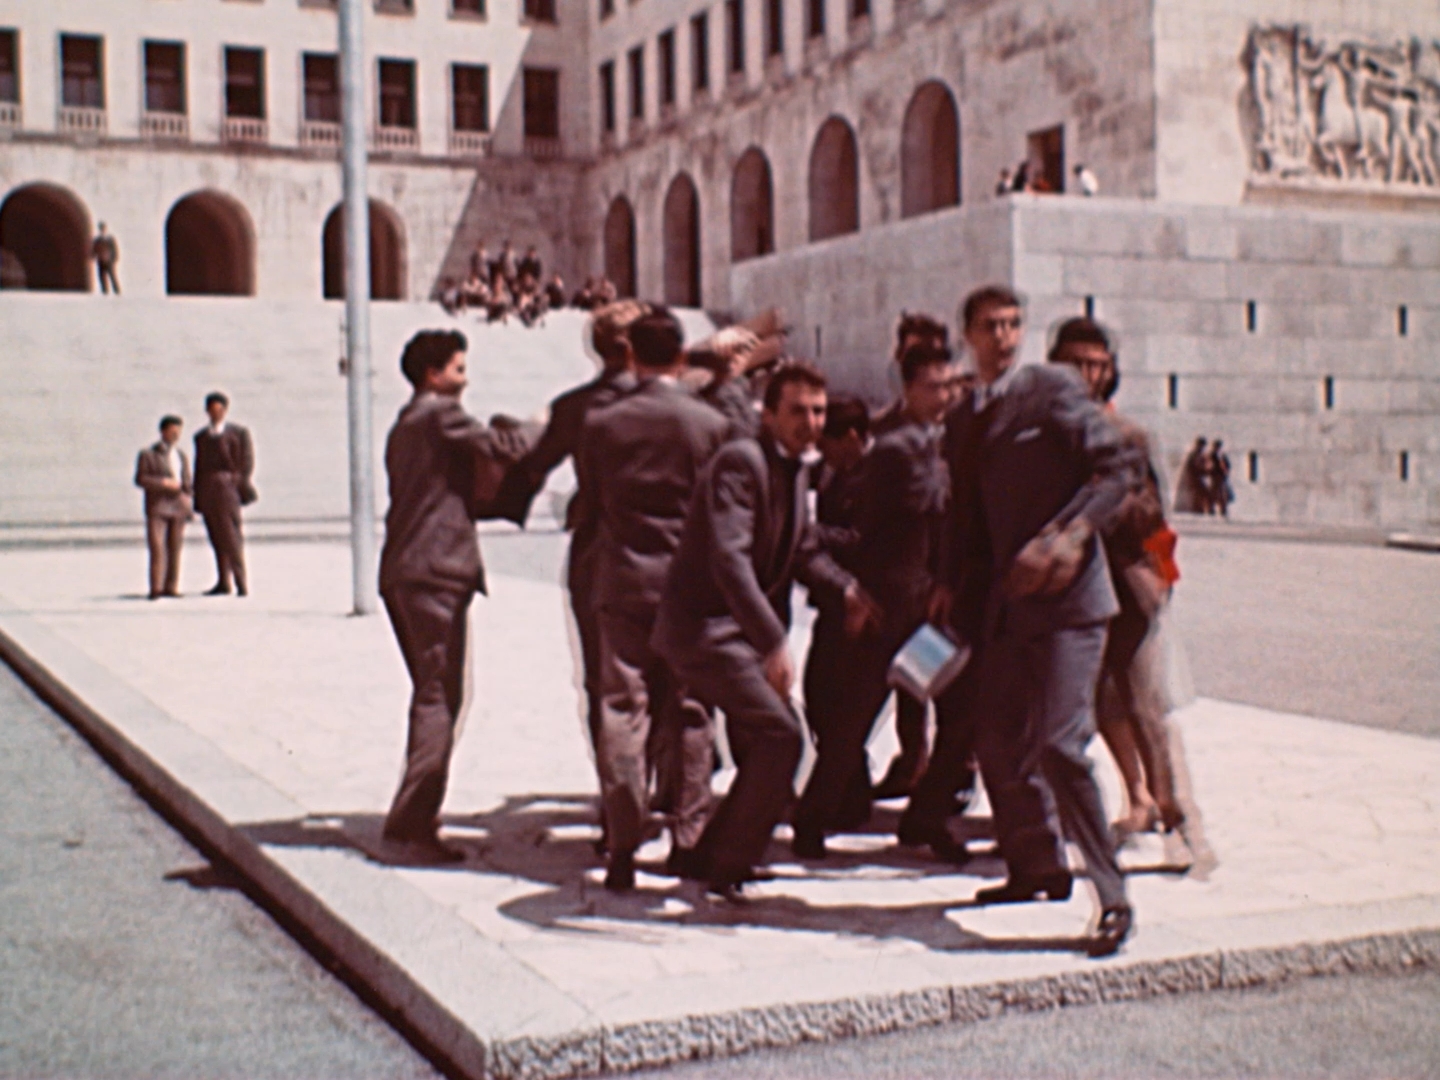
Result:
[{"x": 548, "y": 839}]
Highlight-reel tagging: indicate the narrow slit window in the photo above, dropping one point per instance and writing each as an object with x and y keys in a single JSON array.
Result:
[
  {"x": 1329, "y": 391},
  {"x": 1405, "y": 466},
  {"x": 1172, "y": 391},
  {"x": 1402, "y": 320},
  {"x": 1089, "y": 307},
  {"x": 1253, "y": 464},
  {"x": 1251, "y": 316}
]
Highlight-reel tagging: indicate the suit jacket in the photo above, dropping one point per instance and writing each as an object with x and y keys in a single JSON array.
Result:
[
  {"x": 561, "y": 439},
  {"x": 1043, "y": 453},
  {"x": 224, "y": 464},
  {"x": 732, "y": 398},
  {"x": 430, "y": 458},
  {"x": 640, "y": 457},
  {"x": 747, "y": 539},
  {"x": 152, "y": 469}
]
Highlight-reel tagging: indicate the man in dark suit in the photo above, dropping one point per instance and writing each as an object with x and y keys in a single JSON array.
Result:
[
  {"x": 430, "y": 569},
  {"x": 914, "y": 328},
  {"x": 639, "y": 459},
  {"x": 524, "y": 480},
  {"x": 904, "y": 489},
  {"x": 224, "y": 464},
  {"x": 163, "y": 471},
  {"x": 1038, "y": 472},
  {"x": 725, "y": 613}
]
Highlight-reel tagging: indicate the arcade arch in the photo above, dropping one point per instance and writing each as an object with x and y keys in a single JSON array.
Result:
[
  {"x": 930, "y": 151},
  {"x": 834, "y": 181},
  {"x": 682, "y": 242},
  {"x": 209, "y": 247},
  {"x": 387, "y": 253},
  {"x": 752, "y": 207},
  {"x": 46, "y": 231},
  {"x": 620, "y": 246}
]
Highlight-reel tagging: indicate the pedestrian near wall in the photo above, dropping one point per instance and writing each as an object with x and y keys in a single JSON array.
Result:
[
  {"x": 162, "y": 470},
  {"x": 106, "y": 253},
  {"x": 224, "y": 466}
]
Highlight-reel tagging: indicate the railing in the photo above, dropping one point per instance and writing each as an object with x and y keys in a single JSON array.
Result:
[
  {"x": 469, "y": 144},
  {"x": 80, "y": 120},
  {"x": 10, "y": 116},
  {"x": 320, "y": 133},
  {"x": 542, "y": 146},
  {"x": 173, "y": 126},
  {"x": 395, "y": 138},
  {"x": 244, "y": 129}
]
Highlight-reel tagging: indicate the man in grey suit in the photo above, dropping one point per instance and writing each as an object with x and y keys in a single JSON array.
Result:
[
  {"x": 224, "y": 464},
  {"x": 639, "y": 460},
  {"x": 163, "y": 471},
  {"x": 725, "y": 613},
  {"x": 1037, "y": 473},
  {"x": 430, "y": 569}
]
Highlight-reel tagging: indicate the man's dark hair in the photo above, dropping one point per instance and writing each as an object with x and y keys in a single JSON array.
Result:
[
  {"x": 797, "y": 371},
  {"x": 168, "y": 419},
  {"x": 846, "y": 414},
  {"x": 656, "y": 338},
  {"x": 916, "y": 324},
  {"x": 1083, "y": 331},
  {"x": 918, "y": 357},
  {"x": 430, "y": 350},
  {"x": 216, "y": 397},
  {"x": 989, "y": 296}
]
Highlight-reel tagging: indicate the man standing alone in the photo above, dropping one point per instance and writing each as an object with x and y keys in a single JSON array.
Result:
[
  {"x": 106, "y": 254},
  {"x": 224, "y": 463},
  {"x": 163, "y": 471},
  {"x": 429, "y": 570}
]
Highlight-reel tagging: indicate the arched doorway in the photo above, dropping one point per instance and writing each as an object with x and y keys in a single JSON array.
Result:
[
  {"x": 834, "y": 181},
  {"x": 930, "y": 152},
  {"x": 46, "y": 231},
  {"x": 387, "y": 254},
  {"x": 682, "y": 243},
  {"x": 620, "y": 246},
  {"x": 752, "y": 207},
  {"x": 209, "y": 247}
]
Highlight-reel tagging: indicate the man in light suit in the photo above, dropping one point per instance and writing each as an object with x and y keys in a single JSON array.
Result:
[
  {"x": 163, "y": 471},
  {"x": 725, "y": 613},
  {"x": 224, "y": 464},
  {"x": 1037, "y": 472},
  {"x": 430, "y": 569},
  {"x": 640, "y": 457}
]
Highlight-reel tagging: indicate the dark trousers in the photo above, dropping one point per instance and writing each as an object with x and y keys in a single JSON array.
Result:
[
  {"x": 165, "y": 537},
  {"x": 1035, "y": 716},
  {"x": 647, "y": 727},
  {"x": 108, "y": 281},
  {"x": 845, "y": 688},
  {"x": 222, "y": 525},
  {"x": 429, "y": 624},
  {"x": 949, "y": 771},
  {"x": 910, "y": 730},
  {"x": 587, "y": 628},
  {"x": 765, "y": 740}
]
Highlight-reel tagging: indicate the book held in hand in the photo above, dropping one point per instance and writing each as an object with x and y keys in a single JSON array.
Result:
[{"x": 928, "y": 663}]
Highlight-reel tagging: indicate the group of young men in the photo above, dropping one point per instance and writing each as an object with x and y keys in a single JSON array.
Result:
[{"x": 983, "y": 504}]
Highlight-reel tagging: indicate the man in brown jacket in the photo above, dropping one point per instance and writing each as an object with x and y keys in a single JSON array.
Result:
[
  {"x": 163, "y": 471},
  {"x": 430, "y": 569}
]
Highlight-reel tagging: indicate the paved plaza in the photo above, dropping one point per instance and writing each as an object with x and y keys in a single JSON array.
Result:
[{"x": 276, "y": 723}]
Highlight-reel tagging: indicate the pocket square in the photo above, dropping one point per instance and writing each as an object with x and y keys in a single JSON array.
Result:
[{"x": 1028, "y": 434}]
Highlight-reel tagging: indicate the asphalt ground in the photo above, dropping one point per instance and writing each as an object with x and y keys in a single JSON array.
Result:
[{"x": 122, "y": 954}]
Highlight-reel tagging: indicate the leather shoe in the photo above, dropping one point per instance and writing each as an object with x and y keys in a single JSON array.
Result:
[
  {"x": 1022, "y": 890},
  {"x": 729, "y": 891},
  {"x": 1115, "y": 926},
  {"x": 809, "y": 844},
  {"x": 685, "y": 863},
  {"x": 422, "y": 851},
  {"x": 620, "y": 877},
  {"x": 942, "y": 845},
  {"x": 220, "y": 589}
]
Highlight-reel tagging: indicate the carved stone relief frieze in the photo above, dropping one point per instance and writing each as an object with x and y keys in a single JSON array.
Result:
[{"x": 1348, "y": 112}]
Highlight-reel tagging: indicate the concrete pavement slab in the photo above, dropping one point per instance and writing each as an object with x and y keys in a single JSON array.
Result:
[{"x": 283, "y": 719}]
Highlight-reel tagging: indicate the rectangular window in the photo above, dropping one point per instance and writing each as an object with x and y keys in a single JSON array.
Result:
[
  {"x": 607, "y": 96},
  {"x": 397, "y": 93},
  {"x": 164, "y": 77},
  {"x": 774, "y": 27},
  {"x": 607, "y": 8},
  {"x": 9, "y": 67},
  {"x": 470, "y": 97},
  {"x": 814, "y": 18},
  {"x": 474, "y": 9},
  {"x": 859, "y": 9},
  {"x": 540, "y": 11},
  {"x": 1047, "y": 159},
  {"x": 82, "y": 72},
  {"x": 635, "y": 60},
  {"x": 542, "y": 103},
  {"x": 322, "y": 88},
  {"x": 395, "y": 7},
  {"x": 700, "y": 51},
  {"x": 665, "y": 48},
  {"x": 245, "y": 83},
  {"x": 735, "y": 36}
]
